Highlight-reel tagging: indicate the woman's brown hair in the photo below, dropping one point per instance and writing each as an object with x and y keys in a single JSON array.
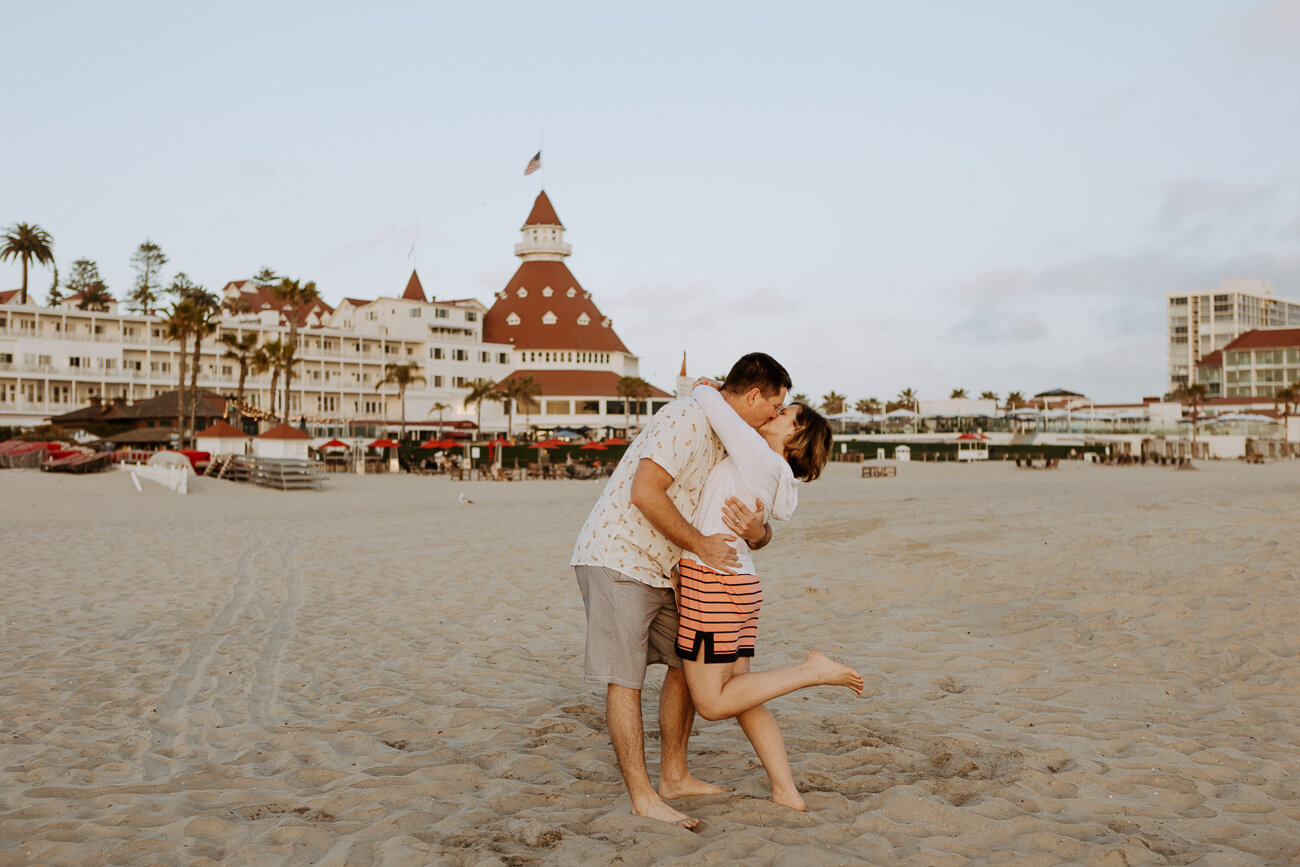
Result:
[{"x": 809, "y": 447}]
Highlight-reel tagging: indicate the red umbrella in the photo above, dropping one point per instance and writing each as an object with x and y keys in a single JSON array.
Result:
[
  {"x": 431, "y": 444},
  {"x": 334, "y": 444},
  {"x": 383, "y": 444},
  {"x": 501, "y": 441},
  {"x": 599, "y": 446},
  {"x": 448, "y": 443},
  {"x": 545, "y": 445},
  {"x": 615, "y": 441}
]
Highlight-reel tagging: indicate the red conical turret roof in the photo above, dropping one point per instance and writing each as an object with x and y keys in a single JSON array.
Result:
[
  {"x": 543, "y": 214},
  {"x": 414, "y": 291}
]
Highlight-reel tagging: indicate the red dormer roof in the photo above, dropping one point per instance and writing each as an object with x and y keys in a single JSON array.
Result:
[
  {"x": 414, "y": 291},
  {"x": 1268, "y": 338},
  {"x": 221, "y": 428},
  {"x": 259, "y": 298},
  {"x": 1214, "y": 359},
  {"x": 358, "y": 302},
  {"x": 543, "y": 214},
  {"x": 533, "y": 307},
  {"x": 6, "y": 297},
  {"x": 284, "y": 431}
]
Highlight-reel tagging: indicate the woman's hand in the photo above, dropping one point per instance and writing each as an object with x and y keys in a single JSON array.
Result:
[
  {"x": 748, "y": 524},
  {"x": 704, "y": 380}
]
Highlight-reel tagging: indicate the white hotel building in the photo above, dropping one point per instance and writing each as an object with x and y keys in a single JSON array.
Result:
[
  {"x": 53, "y": 361},
  {"x": 1200, "y": 323}
]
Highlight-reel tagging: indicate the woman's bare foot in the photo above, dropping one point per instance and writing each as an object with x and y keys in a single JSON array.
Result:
[
  {"x": 831, "y": 673},
  {"x": 657, "y": 809},
  {"x": 670, "y": 789},
  {"x": 791, "y": 799}
]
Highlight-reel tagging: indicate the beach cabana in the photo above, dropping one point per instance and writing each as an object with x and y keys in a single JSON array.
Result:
[
  {"x": 972, "y": 447},
  {"x": 282, "y": 441},
  {"x": 222, "y": 438}
]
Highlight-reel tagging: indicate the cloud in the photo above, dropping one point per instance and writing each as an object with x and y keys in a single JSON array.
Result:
[
  {"x": 1275, "y": 24},
  {"x": 1196, "y": 212}
]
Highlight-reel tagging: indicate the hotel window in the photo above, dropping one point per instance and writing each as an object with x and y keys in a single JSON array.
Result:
[
  {"x": 485, "y": 357},
  {"x": 548, "y": 292},
  {"x": 460, "y": 355},
  {"x": 372, "y": 315},
  {"x": 109, "y": 363},
  {"x": 587, "y": 407},
  {"x": 436, "y": 353},
  {"x": 549, "y": 318},
  {"x": 415, "y": 312},
  {"x": 74, "y": 361},
  {"x": 557, "y": 407},
  {"x": 471, "y": 316},
  {"x": 572, "y": 292},
  {"x": 441, "y": 313},
  {"x": 437, "y": 382},
  {"x": 522, "y": 293},
  {"x": 512, "y": 319},
  {"x": 503, "y": 358},
  {"x": 458, "y": 382},
  {"x": 6, "y": 358}
]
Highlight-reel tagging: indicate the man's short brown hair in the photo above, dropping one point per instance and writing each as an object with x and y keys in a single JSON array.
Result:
[
  {"x": 809, "y": 447},
  {"x": 757, "y": 370}
]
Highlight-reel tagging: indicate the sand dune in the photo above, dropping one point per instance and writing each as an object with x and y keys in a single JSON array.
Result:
[{"x": 1087, "y": 665}]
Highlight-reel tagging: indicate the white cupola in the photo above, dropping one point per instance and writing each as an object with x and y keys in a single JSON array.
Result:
[{"x": 543, "y": 234}]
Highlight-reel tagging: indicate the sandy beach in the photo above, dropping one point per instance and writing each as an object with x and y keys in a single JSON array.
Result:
[{"x": 1088, "y": 665}]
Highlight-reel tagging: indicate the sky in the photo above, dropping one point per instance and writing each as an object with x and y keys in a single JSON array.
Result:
[{"x": 990, "y": 196}]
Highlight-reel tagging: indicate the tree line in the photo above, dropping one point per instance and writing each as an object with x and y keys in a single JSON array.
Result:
[{"x": 833, "y": 403}]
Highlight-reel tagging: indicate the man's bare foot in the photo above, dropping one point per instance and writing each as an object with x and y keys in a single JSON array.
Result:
[
  {"x": 671, "y": 789},
  {"x": 831, "y": 673},
  {"x": 657, "y": 809},
  {"x": 791, "y": 799}
]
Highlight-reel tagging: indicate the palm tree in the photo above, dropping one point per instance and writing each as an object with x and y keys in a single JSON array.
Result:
[
  {"x": 526, "y": 389},
  {"x": 26, "y": 242},
  {"x": 868, "y": 406},
  {"x": 288, "y": 361},
  {"x": 627, "y": 388},
  {"x": 297, "y": 296},
  {"x": 95, "y": 297},
  {"x": 989, "y": 395},
  {"x": 641, "y": 392},
  {"x": 242, "y": 349},
  {"x": 957, "y": 394},
  {"x": 402, "y": 376},
  {"x": 206, "y": 312},
  {"x": 1287, "y": 400},
  {"x": 799, "y": 397},
  {"x": 1193, "y": 396},
  {"x": 833, "y": 403},
  {"x": 479, "y": 391},
  {"x": 906, "y": 399},
  {"x": 270, "y": 356},
  {"x": 177, "y": 326},
  {"x": 439, "y": 407},
  {"x": 1015, "y": 400}
]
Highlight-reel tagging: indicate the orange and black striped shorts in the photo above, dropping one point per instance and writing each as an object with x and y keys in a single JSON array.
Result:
[{"x": 717, "y": 613}]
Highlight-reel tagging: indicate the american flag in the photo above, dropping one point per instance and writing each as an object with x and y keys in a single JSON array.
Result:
[{"x": 534, "y": 164}]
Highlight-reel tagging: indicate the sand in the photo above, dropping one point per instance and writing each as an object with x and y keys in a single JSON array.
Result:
[{"x": 1087, "y": 665}]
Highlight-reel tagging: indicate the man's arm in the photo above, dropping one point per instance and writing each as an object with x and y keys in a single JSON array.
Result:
[{"x": 650, "y": 495}]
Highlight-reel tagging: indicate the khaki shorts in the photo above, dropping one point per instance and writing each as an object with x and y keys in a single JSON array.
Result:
[{"x": 630, "y": 625}]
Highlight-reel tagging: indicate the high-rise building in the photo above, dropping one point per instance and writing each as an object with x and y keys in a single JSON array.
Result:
[{"x": 1200, "y": 323}]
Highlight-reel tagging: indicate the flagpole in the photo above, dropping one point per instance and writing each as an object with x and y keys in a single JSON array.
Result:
[{"x": 543, "y": 159}]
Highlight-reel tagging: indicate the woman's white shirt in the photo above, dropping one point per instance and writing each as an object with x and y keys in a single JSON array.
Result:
[{"x": 751, "y": 471}]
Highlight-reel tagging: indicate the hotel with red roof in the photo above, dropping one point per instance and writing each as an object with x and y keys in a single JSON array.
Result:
[{"x": 543, "y": 324}]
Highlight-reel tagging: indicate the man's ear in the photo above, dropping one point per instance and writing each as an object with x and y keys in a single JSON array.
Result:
[{"x": 753, "y": 396}]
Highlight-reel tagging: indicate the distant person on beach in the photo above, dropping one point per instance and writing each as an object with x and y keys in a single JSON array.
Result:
[
  {"x": 718, "y": 622},
  {"x": 624, "y": 558}
]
